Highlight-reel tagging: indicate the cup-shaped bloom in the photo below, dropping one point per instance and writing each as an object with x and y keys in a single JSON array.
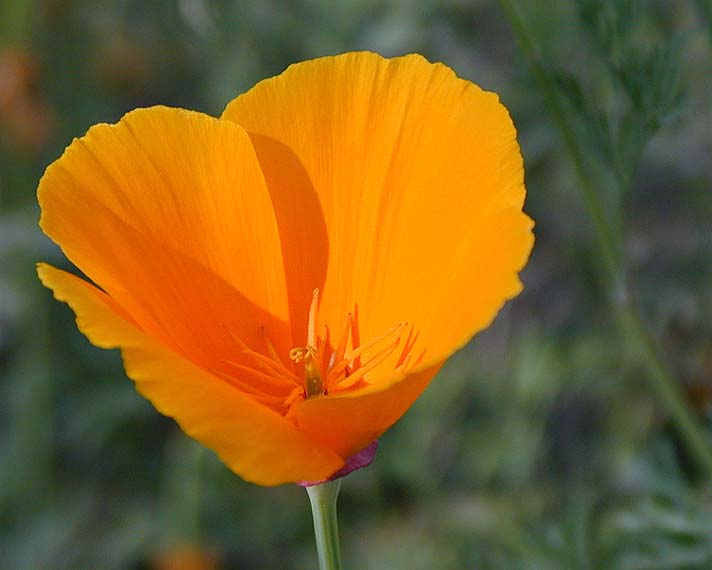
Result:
[{"x": 284, "y": 281}]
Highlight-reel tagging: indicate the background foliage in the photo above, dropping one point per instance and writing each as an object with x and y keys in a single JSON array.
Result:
[{"x": 540, "y": 446}]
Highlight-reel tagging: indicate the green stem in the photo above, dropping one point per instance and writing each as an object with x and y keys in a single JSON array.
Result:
[
  {"x": 661, "y": 378},
  {"x": 323, "y": 504},
  {"x": 704, "y": 9},
  {"x": 666, "y": 386},
  {"x": 604, "y": 236}
]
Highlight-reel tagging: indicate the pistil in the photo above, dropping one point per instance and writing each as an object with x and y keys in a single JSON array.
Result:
[
  {"x": 327, "y": 369},
  {"x": 309, "y": 354}
]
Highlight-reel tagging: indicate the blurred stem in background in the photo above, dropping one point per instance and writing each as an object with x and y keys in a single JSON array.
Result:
[
  {"x": 181, "y": 507},
  {"x": 31, "y": 470},
  {"x": 608, "y": 236},
  {"x": 704, "y": 9},
  {"x": 15, "y": 21}
]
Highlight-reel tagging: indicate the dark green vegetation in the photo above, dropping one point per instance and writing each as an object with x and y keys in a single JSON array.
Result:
[{"x": 567, "y": 436}]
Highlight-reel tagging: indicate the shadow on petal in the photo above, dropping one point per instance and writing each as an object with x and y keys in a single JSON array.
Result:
[{"x": 302, "y": 230}]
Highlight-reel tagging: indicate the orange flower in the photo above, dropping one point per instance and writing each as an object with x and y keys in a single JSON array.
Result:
[{"x": 286, "y": 280}]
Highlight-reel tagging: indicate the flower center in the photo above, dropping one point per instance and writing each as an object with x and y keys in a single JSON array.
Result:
[
  {"x": 328, "y": 368},
  {"x": 347, "y": 369}
]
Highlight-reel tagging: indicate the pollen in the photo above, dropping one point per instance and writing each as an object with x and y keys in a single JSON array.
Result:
[
  {"x": 330, "y": 365},
  {"x": 328, "y": 370}
]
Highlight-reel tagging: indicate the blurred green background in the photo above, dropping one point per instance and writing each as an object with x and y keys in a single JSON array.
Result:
[{"x": 543, "y": 445}]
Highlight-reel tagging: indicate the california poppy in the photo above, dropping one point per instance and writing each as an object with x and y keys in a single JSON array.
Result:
[{"x": 285, "y": 281}]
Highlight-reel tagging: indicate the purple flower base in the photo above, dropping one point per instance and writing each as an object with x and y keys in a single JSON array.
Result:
[{"x": 359, "y": 460}]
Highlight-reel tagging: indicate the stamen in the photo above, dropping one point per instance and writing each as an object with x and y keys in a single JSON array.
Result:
[
  {"x": 311, "y": 322},
  {"x": 370, "y": 364},
  {"x": 402, "y": 367},
  {"x": 275, "y": 364},
  {"x": 295, "y": 395},
  {"x": 354, "y": 357},
  {"x": 309, "y": 353},
  {"x": 273, "y": 383},
  {"x": 268, "y": 399},
  {"x": 276, "y": 367},
  {"x": 397, "y": 329},
  {"x": 270, "y": 379},
  {"x": 355, "y": 334},
  {"x": 408, "y": 345},
  {"x": 419, "y": 359},
  {"x": 343, "y": 341},
  {"x": 270, "y": 348},
  {"x": 322, "y": 346}
]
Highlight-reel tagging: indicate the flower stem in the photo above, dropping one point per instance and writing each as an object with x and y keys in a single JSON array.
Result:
[
  {"x": 667, "y": 388},
  {"x": 659, "y": 375},
  {"x": 605, "y": 238},
  {"x": 323, "y": 504}
]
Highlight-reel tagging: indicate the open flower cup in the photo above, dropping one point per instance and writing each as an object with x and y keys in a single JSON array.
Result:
[{"x": 285, "y": 280}]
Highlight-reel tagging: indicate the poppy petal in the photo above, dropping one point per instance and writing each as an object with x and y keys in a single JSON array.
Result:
[
  {"x": 256, "y": 443},
  {"x": 143, "y": 205},
  {"x": 175, "y": 299},
  {"x": 303, "y": 234},
  {"x": 348, "y": 422},
  {"x": 420, "y": 181}
]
